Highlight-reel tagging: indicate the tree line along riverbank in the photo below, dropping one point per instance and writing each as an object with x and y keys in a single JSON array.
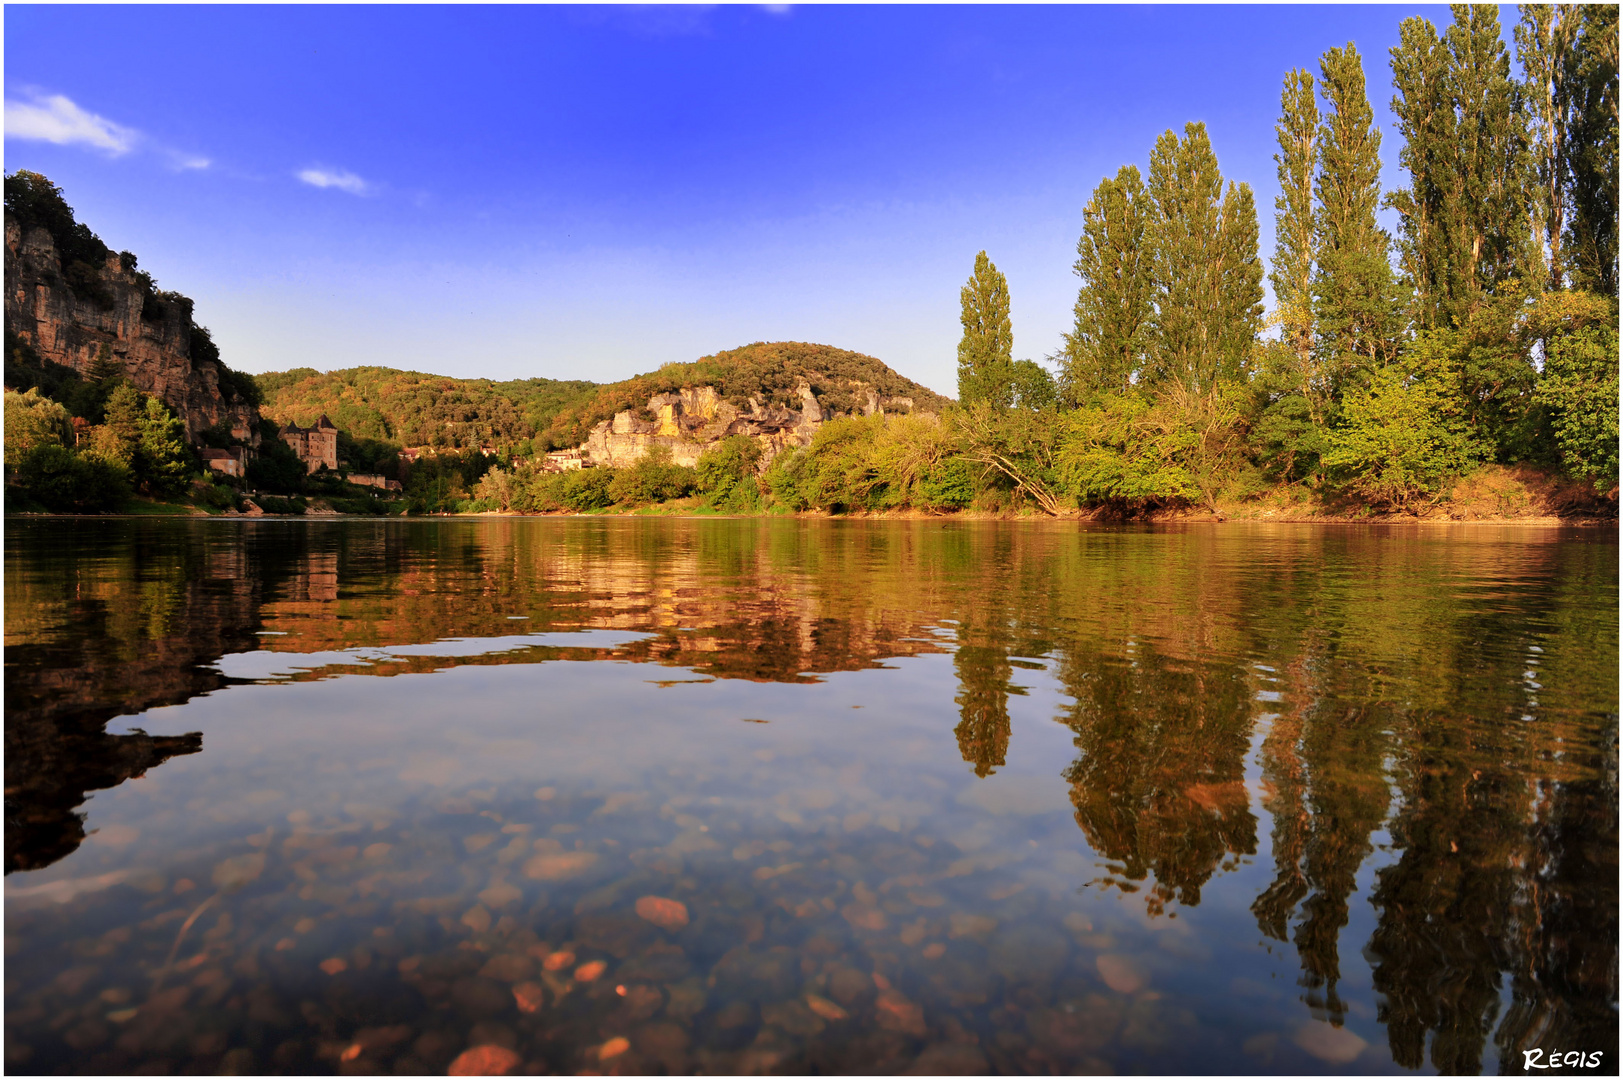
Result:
[{"x": 1465, "y": 366}]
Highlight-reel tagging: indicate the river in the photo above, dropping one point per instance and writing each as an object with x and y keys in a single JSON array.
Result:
[{"x": 772, "y": 795}]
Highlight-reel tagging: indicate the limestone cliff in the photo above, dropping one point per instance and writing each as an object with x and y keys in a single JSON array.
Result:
[
  {"x": 114, "y": 314},
  {"x": 689, "y": 421}
]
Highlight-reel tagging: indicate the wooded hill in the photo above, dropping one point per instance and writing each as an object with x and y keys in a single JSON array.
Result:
[{"x": 534, "y": 415}]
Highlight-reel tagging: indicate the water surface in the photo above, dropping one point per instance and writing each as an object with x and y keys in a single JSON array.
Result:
[{"x": 751, "y": 796}]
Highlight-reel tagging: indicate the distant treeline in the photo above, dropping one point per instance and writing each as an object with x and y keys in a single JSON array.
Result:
[{"x": 528, "y": 416}]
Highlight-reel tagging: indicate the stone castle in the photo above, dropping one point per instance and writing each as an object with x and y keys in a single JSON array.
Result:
[{"x": 317, "y": 446}]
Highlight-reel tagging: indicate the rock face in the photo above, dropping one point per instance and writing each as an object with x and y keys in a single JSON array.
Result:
[
  {"x": 693, "y": 419},
  {"x": 151, "y": 340}
]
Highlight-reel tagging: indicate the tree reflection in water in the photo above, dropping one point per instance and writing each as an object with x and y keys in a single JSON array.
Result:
[{"x": 1440, "y": 714}]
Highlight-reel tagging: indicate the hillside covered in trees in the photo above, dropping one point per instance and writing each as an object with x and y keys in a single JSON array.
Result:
[
  {"x": 535, "y": 415},
  {"x": 409, "y": 408}
]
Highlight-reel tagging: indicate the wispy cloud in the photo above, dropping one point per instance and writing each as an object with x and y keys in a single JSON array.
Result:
[
  {"x": 56, "y": 119},
  {"x": 650, "y": 20},
  {"x": 342, "y": 179}
]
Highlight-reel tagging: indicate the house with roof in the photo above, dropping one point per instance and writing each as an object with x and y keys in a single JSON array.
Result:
[{"x": 316, "y": 446}]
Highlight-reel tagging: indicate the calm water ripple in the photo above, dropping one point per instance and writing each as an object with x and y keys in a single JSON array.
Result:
[{"x": 646, "y": 796}]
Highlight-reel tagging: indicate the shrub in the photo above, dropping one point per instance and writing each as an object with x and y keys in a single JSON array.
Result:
[
  {"x": 586, "y": 490},
  {"x": 652, "y": 479},
  {"x": 726, "y": 474},
  {"x": 60, "y": 480},
  {"x": 1400, "y": 436},
  {"x": 1579, "y": 386}
]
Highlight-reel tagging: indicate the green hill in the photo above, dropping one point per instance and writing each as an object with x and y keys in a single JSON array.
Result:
[
  {"x": 413, "y": 409},
  {"x": 410, "y": 408},
  {"x": 771, "y": 372}
]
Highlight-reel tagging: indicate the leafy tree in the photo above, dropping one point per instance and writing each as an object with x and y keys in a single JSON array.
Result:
[
  {"x": 276, "y": 468},
  {"x": 1401, "y": 437},
  {"x": 163, "y": 457},
  {"x": 985, "y": 351},
  {"x": 1466, "y": 213},
  {"x": 652, "y": 479},
  {"x": 1150, "y": 449},
  {"x": 1593, "y": 82},
  {"x": 1032, "y": 386},
  {"x": 726, "y": 473},
  {"x": 1579, "y": 383},
  {"x": 62, "y": 481},
  {"x": 1357, "y": 306},
  {"x": 1105, "y": 349},
  {"x": 32, "y": 420},
  {"x": 1205, "y": 274},
  {"x": 34, "y": 200},
  {"x": 1296, "y": 230},
  {"x": 1544, "y": 40}
]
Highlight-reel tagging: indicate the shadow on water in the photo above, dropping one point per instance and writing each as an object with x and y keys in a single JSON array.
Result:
[{"x": 1413, "y": 734}]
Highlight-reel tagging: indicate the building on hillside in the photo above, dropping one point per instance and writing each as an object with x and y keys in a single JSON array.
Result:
[
  {"x": 374, "y": 480},
  {"x": 563, "y": 461},
  {"x": 316, "y": 446},
  {"x": 232, "y": 462}
]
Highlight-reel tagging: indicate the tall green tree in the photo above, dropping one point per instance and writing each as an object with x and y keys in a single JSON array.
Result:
[
  {"x": 1105, "y": 349},
  {"x": 1295, "y": 227},
  {"x": 1492, "y": 134},
  {"x": 1544, "y": 39},
  {"x": 1357, "y": 304},
  {"x": 1465, "y": 215},
  {"x": 1593, "y": 84},
  {"x": 1424, "y": 109},
  {"x": 1205, "y": 272},
  {"x": 985, "y": 352}
]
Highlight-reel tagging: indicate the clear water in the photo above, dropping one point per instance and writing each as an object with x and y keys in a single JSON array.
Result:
[{"x": 645, "y": 796}]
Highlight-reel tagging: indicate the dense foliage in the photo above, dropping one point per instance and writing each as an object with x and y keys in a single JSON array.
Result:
[{"x": 408, "y": 408}]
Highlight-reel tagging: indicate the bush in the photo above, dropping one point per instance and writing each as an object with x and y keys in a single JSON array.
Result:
[
  {"x": 1579, "y": 386},
  {"x": 726, "y": 474},
  {"x": 586, "y": 490},
  {"x": 1400, "y": 435},
  {"x": 652, "y": 479},
  {"x": 949, "y": 485},
  {"x": 62, "y": 481}
]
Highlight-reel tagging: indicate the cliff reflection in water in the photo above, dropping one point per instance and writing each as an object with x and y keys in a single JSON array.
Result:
[{"x": 1440, "y": 708}]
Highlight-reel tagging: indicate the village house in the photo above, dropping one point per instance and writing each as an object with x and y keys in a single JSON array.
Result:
[
  {"x": 316, "y": 446},
  {"x": 232, "y": 462}
]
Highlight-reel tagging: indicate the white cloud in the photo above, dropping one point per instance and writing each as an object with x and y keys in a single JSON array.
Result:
[
  {"x": 56, "y": 119},
  {"x": 342, "y": 179},
  {"x": 184, "y": 162}
]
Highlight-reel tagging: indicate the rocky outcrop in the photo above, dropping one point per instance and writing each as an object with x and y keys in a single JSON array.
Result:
[
  {"x": 692, "y": 420},
  {"x": 116, "y": 317}
]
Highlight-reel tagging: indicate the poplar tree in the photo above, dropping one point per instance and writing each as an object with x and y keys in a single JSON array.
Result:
[
  {"x": 1106, "y": 348},
  {"x": 1544, "y": 47},
  {"x": 985, "y": 352},
  {"x": 1592, "y": 77},
  {"x": 1295, "y": 229},
  {"x": 1492, "y": 182},
  {"x": 1466, "y": 210},
  {"x": 1424, "y": 109},
  {"x": 1356, "y": 300},
  {"x": 1206, "y": 276}
]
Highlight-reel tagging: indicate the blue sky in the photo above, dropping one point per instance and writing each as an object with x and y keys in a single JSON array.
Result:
[{"x": 591, "y": 192}]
